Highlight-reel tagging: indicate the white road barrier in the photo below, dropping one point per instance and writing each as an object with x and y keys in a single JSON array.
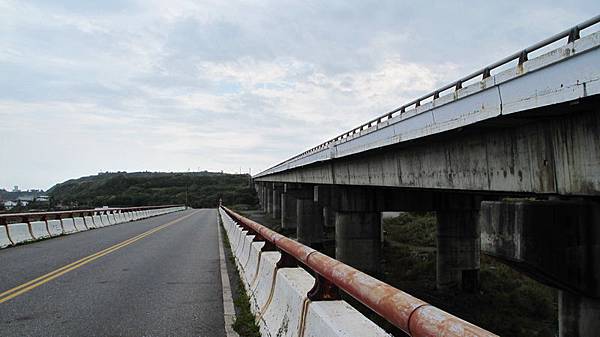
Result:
[
  {"x": 68, "y": 225},
  {"x": 89, "y": 222},
  {"x": 97, "y": 221},
  {"x": 55, "y": 227},
  {"x": 39, "y": 230},
  {"x": 19, "y": 233},
  {"x": 4, "y": 240},
  {"x": 104, "y": 220},
  {"x": 79, "y": 224},
  {"x": 278, "y": 297}
]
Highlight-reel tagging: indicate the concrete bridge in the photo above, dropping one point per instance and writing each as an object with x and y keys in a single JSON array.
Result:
[{"x": 508, "y": 158}]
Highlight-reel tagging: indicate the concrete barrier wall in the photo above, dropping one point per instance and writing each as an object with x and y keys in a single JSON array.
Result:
[
  {"x": 278, "y": 297},
  {"x": 97, "y": 221},
  {"x": 104, "y": 220},
  {"x": 23, "y": 232},
  {"x": 4, "y": 240},
  {"x": 80, "y": 224},
  {"x": 68, "y": 225},
  {"x": 19, "y": 233},
  {"x": 89, "y": 222},
  {"x": 39, "y": 230},
  {"x": 55, "y": 227}
]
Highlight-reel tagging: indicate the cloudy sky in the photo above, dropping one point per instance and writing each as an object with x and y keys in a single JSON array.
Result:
[{"x": 177, "y": 85}]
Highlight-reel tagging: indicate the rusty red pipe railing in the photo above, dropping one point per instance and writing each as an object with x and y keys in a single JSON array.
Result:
[
  {"x": 26, "y": 217},
  {"x": 415, "y": 317}
]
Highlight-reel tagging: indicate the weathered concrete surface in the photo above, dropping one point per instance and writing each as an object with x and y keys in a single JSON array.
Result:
[
  {"x": 557, "y": 242},
  {"x": 553, "y": 150},
  {"x": 269, "y": 198},
  {"x": 358, "y": 240},
  {"x": 310, "y": 222},
  {"x": 288, "y": 211},
  {"x": 276, "y": 211},
  {"x": 458, "y": 249},
  {"x": 578, "y": 316}
]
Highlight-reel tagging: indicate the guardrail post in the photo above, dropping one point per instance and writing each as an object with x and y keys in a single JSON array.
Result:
[{"x": 323, "y": 290}]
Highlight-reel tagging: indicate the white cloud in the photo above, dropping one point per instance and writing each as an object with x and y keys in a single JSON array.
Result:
[{"x": 171, "y": 85}]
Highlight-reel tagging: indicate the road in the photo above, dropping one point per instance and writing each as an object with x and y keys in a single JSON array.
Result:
[{"x": 163, "y": 282}]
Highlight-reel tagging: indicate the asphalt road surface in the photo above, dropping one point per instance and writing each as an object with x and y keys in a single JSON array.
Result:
[{"x": 154, "y": 277}]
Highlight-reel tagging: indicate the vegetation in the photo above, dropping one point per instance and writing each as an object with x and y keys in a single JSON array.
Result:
[
  {"x": 200, "y": 189},
  {"x": 509, "y": 303}
]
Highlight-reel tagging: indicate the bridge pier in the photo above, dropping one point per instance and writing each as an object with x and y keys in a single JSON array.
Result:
[
  {"x": 556, "y": 242},
  {"x": 269, "y": 198},
  {"x": 328, "y": 217},
  {"x": 288, "y": 208},
  {"x": 357, "y": 228},
  {"x": 262, "y": 197},
  {"x": 309, "y": 218},
  {"x": 458, "y": 249},
  {"x": 276, "y": 208}
]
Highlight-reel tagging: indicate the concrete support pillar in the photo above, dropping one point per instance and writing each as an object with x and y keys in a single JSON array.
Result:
[
  {"x": 288, "y": 211},
  {"x": 264, "y": 198},
  {"x": 276, "y": 209},
  {"x": 357, "y": 227},
  {"x": 269, "y": 198},
  {"x": 259, "y": 194},
  {"x": 458, "y": 249},
  {"x": 578, "y": 316},
  {"x": 309, "y": 217},
  {"x": 358, "y": 240},
  {"x": 328, "y": 217},
  {"x": 309, "y": 230}
]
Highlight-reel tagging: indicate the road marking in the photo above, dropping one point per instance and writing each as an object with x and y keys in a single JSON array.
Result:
[{"x": 25, "y": 287}]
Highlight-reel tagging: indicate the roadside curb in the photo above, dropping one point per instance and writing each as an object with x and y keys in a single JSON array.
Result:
[{"x": 228, "y": 307}]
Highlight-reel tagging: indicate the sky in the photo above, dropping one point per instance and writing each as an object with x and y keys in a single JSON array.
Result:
[{"x": 177, "y": 85}]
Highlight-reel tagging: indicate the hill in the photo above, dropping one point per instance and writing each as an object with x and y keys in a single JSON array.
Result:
[{"x": 204, "y": 189}]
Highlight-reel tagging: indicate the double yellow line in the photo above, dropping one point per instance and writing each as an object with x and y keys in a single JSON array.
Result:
[{"x": 25, "y": 287}]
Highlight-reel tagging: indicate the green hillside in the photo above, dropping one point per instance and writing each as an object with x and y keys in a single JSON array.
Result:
[{"x": 204, "y": 189}]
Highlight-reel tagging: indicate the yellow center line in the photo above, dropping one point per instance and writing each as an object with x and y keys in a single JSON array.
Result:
[{"x": 25, "y": 287}]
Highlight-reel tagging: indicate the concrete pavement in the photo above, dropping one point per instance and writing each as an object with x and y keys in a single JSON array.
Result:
[{"x": 154, "y": 277}]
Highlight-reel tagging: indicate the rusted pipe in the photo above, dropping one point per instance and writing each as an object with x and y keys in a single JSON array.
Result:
[{"x": 415, "y": 317}]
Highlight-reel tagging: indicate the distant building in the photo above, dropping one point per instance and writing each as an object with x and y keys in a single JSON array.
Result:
[
  {"x": 16, "y": 189},
  {"x": 25, "y": 198},
  {"x": 9, "y": 204},
  {"x": 42, "y": 198}
]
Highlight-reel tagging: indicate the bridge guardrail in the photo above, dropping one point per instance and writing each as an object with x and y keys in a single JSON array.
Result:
[
  {"x": 521, "y": 56},
  {"x": 31, "y": 216},
  {"x": 410, "y": 314}
]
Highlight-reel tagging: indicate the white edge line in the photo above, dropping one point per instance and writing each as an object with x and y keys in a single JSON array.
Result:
[{"x": 228, "y": 307}]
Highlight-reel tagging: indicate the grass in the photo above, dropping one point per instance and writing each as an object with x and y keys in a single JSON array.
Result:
[{"x": 244, "y": 323}]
